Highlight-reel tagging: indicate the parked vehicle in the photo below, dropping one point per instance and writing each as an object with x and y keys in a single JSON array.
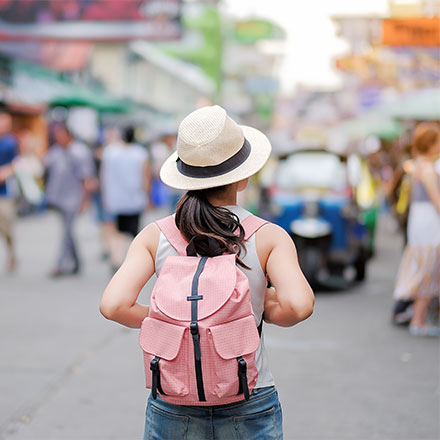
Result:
[{"x": 312, "y": 198}]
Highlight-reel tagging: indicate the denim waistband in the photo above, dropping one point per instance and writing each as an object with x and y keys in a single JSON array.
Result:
[{"x": 257, "y": 395}]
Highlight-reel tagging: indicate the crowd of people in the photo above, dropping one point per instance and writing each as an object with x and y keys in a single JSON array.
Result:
[{"x": 115, "y": 177}]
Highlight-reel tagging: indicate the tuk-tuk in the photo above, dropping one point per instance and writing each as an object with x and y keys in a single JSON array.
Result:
[{"x": 312, "y": 198}]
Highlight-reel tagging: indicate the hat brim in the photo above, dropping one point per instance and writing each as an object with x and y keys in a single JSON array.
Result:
[{"x": 260, "y": 152}]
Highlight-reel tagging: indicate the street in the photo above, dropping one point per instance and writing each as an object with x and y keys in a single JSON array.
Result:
[{"x": 67, "y": 373}]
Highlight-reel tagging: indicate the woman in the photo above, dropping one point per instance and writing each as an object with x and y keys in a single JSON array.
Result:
[
  {"x": 214, "y": 159},
  {"x": 419, "y": 274}
]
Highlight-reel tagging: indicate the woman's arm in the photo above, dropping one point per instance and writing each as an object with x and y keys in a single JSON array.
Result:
[
  {"x": 291, "y": 299},
  {"x": 118, "y": 302},
  {"x": 430, "y": 181}
]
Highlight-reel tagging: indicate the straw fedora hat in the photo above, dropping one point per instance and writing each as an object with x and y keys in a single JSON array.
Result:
[{"x": 213, "y": 150}]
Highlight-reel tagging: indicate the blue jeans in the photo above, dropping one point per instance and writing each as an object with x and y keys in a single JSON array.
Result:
[
  {"x": 259, "y": 418},
  {"x": 68, "y": 259}
]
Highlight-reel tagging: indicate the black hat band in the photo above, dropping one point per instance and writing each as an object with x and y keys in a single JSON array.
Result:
[{"x": 216, "y": 170}]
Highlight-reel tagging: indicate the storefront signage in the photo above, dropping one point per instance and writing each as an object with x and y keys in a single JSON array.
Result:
[
  {"x": 411, "y": 32},
  {"x": 91, "y": 20}
]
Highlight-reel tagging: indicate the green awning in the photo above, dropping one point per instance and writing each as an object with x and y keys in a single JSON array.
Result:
[
  {"x": 370, "y": 125},
  {"x": 100, "y": 101},
  {"x": 421, "y": 105},
  {"x": 50, "y": 87}
]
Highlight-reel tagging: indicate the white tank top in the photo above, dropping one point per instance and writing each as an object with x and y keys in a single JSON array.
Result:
[{"x": 257, "y": 281}]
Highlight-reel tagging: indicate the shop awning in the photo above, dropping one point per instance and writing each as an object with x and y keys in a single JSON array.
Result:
[
  {"x": 46, "y": 86},
  {"x": 371, "y": 125},
  {"x": 420, "y": 105},
  {"x": 100, "y": 101}
]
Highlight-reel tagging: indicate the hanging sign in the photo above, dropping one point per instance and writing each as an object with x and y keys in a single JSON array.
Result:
[{"x": 421, "y": 31}]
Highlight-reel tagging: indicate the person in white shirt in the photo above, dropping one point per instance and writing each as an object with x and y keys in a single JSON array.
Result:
[{"x": 125, "y": 183}]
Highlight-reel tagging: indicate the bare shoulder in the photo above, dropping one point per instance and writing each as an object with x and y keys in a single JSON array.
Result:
[
  {"x": 148, "y": 237},
  {"x": 272, "y": 233},
  {"x": 428, "y": 173},
  {"x": 269, "y": 237}
]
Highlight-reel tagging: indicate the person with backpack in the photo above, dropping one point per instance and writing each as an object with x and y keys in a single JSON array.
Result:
[{"x": 201, "y": 335}]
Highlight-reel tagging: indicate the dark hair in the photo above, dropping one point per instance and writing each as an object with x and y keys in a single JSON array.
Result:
[
  {"x": 197, "y": 219},
  {"x": 128, "y": 135}
]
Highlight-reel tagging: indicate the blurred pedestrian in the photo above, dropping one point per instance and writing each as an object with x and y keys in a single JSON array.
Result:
[
  {"x": 106, "y": 219},
  {"x": 71, "y": 180},
  {"x": 125, "y": 182},
  {"x": 29, "y": 172},
  {"x": 214, "y": 159},
  {"x": 419, "y": 274},
  {"x": 398, "y": 188},
  {"x": 8, "y": 152},
  {"x": 160, "y": 150}
]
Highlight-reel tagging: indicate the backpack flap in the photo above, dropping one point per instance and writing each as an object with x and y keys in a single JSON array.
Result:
[
  {"x": 173, "y": 287},
  {"x": 160, "y": 338},
  {"x": 229, "y": 347}
]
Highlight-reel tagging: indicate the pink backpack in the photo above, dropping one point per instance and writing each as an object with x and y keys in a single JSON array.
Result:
[{"x": 200, "y": 338}]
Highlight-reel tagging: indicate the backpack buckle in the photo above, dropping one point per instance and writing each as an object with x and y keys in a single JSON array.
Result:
[
  {"x": 242, "y": 367},
  {"x": 154, "y": 364},
  {"x": 243, "y": 386},
  {"x": 194, "y": 327}
]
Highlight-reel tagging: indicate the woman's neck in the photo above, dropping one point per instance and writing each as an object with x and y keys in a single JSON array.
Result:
[{"x": 225, "y": 198}]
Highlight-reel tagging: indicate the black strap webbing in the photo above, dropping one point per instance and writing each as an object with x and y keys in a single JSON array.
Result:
[
  {"x": 156, "y": 386},
  {"x": 242, "y": 378},
  {"x": 194, "y": 328},
  {"x": 198, "y": 366}
]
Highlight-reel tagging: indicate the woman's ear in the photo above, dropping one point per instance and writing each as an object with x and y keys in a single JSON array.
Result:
[{"x": 242, "y": 184}]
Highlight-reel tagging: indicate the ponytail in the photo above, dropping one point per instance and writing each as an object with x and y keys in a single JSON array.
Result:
[{"x": 197, "y": 219}]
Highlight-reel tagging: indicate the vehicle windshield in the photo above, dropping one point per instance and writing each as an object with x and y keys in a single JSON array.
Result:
[{"x": 318, "y": 170}]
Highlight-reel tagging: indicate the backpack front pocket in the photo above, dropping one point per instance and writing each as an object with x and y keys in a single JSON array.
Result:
[
  {"x": 234, "y": 367},
  {"x": 166, "y": 370}
]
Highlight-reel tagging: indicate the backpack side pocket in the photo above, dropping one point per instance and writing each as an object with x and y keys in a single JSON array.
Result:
[
  {"x": 166, "y": 363},
  {"x": 234, "y": 345}
]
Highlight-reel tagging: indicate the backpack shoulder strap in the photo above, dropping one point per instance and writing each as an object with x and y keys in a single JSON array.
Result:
[
  {"x": 168, "y": 227},
  {"x": 251, "y": 224}
]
